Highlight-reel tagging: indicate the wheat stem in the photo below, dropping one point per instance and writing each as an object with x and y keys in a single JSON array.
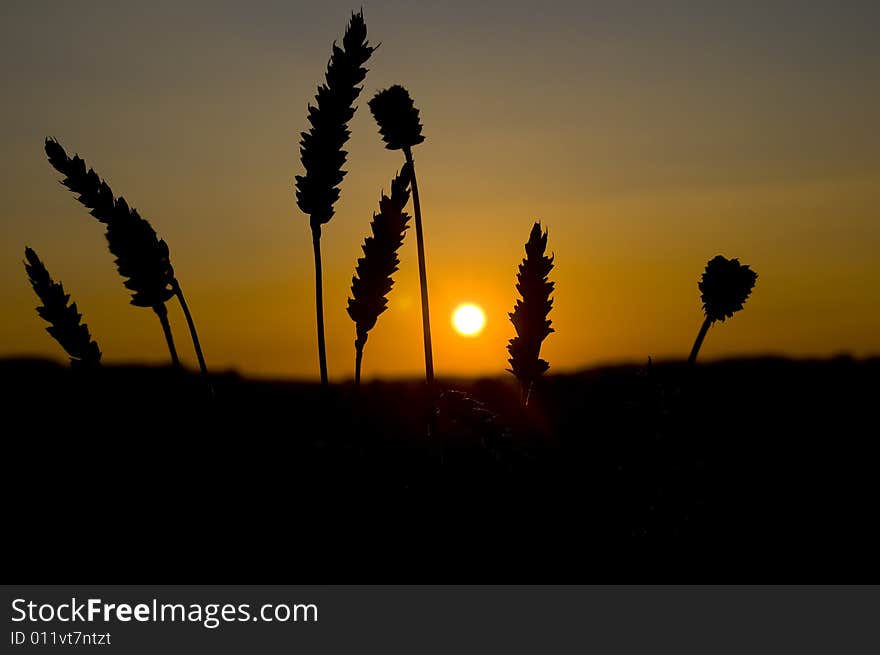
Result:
[
  {"x": 699, "y": 342},
  {"x": 358, "y": 358},
  {"x": 175, "y": 286},
  {"x": 162, "y": 313},
  {"x": 423, "y": 275},
  {"x": 319, "y": 305}
]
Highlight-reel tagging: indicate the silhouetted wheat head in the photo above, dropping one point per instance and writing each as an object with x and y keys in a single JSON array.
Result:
[
  {"x": 397, "y": 117},
  {"x": 399, "y": 125},
  {"x": 724, "y": 288},
  {"x": 373, "y": 280},
  {"x": 142, "y": 258},
  {"x": 529, "y": 316},
  {"x": 63, "y": 319},
  {"x": 321, "y": 147}
]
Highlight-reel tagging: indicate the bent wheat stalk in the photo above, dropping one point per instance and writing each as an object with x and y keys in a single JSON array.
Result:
[
  {"x": 197, "y": 346},
  {"x": 64, "y": 320},
  {"x": 529, "y": 316},
  {"x": 373, "y": 280},
  {"x": 321, "y": 149},
  {"x": 142, "y": 259}
]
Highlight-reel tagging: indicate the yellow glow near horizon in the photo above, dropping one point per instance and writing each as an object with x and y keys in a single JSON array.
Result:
[{"x": 468, "y": 320}]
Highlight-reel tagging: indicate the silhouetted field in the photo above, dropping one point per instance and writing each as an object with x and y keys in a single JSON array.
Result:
[{"x": 737, "y": 471}]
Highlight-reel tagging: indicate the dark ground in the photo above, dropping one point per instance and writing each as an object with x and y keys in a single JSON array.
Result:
[{"x": 745, "y": 471}]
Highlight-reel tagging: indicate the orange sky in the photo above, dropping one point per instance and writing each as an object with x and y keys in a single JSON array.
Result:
[{"x": 647, "y": 141}]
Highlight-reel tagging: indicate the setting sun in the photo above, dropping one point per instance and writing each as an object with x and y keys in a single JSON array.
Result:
[{"x": 468, "y": 320}]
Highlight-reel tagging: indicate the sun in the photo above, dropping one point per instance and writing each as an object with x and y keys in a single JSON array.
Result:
[{"x": 468, "y": 320}]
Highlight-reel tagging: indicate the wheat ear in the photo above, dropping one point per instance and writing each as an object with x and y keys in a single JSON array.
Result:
[
  {"x": 724, "y": 287},
  {"x": 321, "y": 150},
  {"x": 529, "y": 316},
  {"x": 399, "y": 125},
  {"x": 142, "y": 258},
  {"x": 63, "y": 318},
  {"x": 373, "y": 280}
]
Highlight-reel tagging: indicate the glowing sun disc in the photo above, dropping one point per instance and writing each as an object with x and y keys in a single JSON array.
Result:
[{"x": 468, "y": 320}]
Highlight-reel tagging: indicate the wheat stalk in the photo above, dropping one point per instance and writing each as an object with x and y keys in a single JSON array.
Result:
[
  {"x": 142, "y": 258},
  {"x": 321, "y": 148},
  {"x": 724, "y": 286},
  {"x": 399, "y": 125},
  {"x": 63, "y": 319},
  {"x": 529, "y": 316},
  {"x": 373, "y": 280}
]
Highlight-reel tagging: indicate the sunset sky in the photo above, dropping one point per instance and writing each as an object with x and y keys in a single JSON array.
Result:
[{"x": 647, "y": 136}]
